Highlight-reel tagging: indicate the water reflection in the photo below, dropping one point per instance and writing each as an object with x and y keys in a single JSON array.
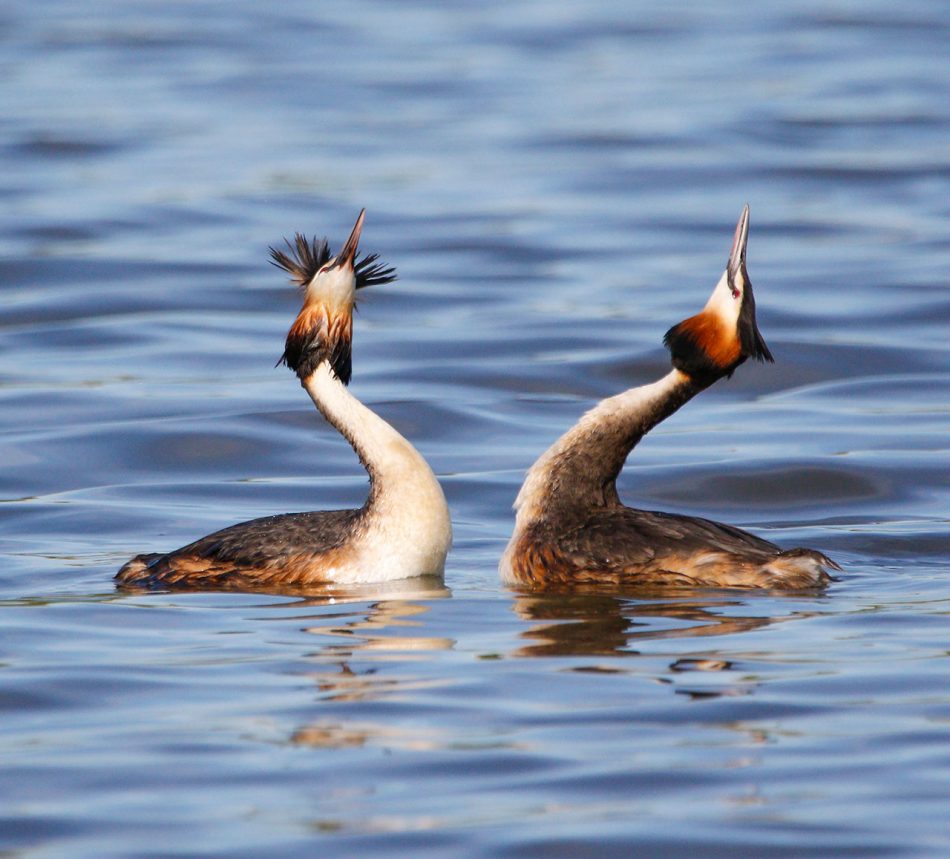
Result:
[
  {"x": 384, "y": 630},
  {"x": 715, "y": 678},
  {"x": 385, "y": 624},
  {"x": 341, "y": 682},
  {"x": 328, "y": 734},
  {"x": 421, "y": 587},
  {"x": 572, "y": 624}
]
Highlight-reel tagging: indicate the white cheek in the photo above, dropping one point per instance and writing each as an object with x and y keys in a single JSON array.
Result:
[
  {"x": 335, "y": 288},
  {"x": 722, "y": 302}
]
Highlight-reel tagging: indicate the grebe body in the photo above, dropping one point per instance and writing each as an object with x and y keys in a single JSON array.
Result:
[
  {"x": 571, "y": 527},
  {"x": 402, "y": 531}
]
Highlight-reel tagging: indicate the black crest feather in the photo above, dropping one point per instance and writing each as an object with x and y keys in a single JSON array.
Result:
[
  {"x": 753, "y": 344},
  {"x": 369, "y": 272},
  {"x": 306, "y": 258}
]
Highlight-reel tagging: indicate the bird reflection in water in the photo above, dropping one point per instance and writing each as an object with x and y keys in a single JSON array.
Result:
[
  {"x": 382, "y": 620},
  {"x": 591, "y": 624},
  {"x": 385, "y": 629},
  {"x": 393, "y": 612},
  {"x": 336, "y": 735},
  {"x": 588, "y": 624}
]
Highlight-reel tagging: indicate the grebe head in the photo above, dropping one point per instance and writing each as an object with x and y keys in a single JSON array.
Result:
[
  {"x": 719, "y": 338},
  {"x": 323, "y": 329}
]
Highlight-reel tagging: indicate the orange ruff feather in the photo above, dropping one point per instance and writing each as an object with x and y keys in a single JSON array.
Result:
[{"x": 712, "y": 336}]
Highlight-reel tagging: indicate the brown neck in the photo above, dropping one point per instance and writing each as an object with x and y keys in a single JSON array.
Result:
[{"x": 580, "y": 470}]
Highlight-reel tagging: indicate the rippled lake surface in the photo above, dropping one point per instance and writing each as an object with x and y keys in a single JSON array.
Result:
[{"x": 557, "y": 185}]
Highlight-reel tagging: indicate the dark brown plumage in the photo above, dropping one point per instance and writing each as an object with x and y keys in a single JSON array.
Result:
[
  {"x": 621, "y": 546},
  {"x": 268, "y": 552}
]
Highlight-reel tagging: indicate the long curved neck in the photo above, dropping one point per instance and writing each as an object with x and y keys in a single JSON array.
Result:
[
  {"x": 579, "y": 471},
  {"x": 405, "y": 529},
  {"x": 390, "y": 459}
]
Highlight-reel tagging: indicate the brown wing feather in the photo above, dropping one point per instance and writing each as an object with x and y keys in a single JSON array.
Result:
[
  {"x": 292, "y": 548},
  {"x": 626, "y": 547}
]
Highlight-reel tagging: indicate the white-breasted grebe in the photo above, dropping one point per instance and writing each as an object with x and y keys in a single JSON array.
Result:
[
  {"x": 402, "y": 531},
  {"x": 571, "y": 527}
]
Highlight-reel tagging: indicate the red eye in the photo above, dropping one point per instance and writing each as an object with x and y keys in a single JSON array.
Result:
[{"x": 735, "y": 292}]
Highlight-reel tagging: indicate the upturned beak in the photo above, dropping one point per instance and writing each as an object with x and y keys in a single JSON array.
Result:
[
  {"x": 737, "y": 254},
  {"x": 347, "y": 255}
]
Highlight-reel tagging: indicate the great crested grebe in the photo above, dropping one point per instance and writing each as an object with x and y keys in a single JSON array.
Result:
[
  {"x": 402, "y": 531},
  {"x": 572, "y": 529}
]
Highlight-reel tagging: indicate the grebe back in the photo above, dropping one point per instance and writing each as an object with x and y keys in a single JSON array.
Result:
[
  {"x": 571, "y": 527},
  {"x": 402, "y": 531}
]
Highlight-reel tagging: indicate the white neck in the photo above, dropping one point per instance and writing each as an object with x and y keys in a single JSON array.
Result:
[{"x": 406, "y": 528}]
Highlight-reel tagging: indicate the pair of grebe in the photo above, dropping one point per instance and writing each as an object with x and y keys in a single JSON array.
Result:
[{"x": 571, "y": 527}]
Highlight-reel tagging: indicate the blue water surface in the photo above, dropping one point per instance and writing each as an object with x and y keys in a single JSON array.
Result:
[{"x": 557, "y": 185}]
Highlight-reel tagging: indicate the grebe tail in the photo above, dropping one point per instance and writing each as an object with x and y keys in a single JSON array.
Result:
[
  {"x": 402, "y": 531},
  {"x": 571, "y": 527}
]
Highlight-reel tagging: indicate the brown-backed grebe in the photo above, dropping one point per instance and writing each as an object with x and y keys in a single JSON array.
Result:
[
  {"x": 571, "y": 527},
  {"x": 402, "y": 531}
]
